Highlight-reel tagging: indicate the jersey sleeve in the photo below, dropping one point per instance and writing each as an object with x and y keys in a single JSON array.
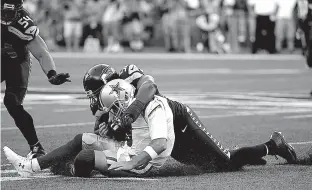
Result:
[
  {"x": 131, "y": 74},
  {"x": 155, "y": 116},
  {"x": 24, "y": 28}
]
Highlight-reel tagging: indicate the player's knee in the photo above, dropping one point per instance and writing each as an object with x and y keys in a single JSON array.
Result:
[
  {"x": 89, "y": 139},
  {"x": 84, "y": 163},
  {"x": 76, "y": 143},
  {"x": 10, "y": 100}
]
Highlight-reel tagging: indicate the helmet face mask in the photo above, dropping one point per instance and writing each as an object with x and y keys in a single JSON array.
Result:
[
  {"x": 93, "y": 82},
  {"x": 9, "y": 11}
]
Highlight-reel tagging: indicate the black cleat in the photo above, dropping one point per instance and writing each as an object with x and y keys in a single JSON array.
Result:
[
  {"x": 282, "y": 148},
  {"x": 36, "y": 152}
]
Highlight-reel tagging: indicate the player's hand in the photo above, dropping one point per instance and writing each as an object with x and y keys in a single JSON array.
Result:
[
  {"x": 103, "y": 129},
  {"x": 126, "y": 121},
  {"x": 59, "y": 78},
  {"x": 123, "y": 165}
]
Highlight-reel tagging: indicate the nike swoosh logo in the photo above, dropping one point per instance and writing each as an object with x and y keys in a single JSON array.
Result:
[{"x": 183, "y": 130}]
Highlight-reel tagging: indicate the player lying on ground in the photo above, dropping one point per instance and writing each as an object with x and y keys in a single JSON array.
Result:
[
  {"x": 174, "y": 130},
  {"x": 19, "y": 37}
]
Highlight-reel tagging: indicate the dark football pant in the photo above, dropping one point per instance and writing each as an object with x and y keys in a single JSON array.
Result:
[
  {"x": 15, "y": 73},
  {"x": 195, "y": 145}
]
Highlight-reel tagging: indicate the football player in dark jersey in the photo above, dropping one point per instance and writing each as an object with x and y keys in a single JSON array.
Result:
[
  {"x": 19, "y": 36},
  {"x": 186, "y": 121}
]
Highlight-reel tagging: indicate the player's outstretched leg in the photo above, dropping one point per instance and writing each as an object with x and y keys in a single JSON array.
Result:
[
  {"x": 26, "y": 167},
  {"x": 276, "y": 146}
]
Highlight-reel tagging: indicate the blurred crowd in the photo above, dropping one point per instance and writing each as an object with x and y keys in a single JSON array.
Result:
[{"x": 216, "y": 26}]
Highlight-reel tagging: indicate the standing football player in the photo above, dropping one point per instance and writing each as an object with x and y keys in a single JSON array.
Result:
[{"x": 20, "y": 37}]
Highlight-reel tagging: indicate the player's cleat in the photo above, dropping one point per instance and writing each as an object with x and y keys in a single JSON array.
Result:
[
  {"x": 36, "y": 152},
  {"x": 282, "y": 148},
  {"x": 21, "y": 164}
]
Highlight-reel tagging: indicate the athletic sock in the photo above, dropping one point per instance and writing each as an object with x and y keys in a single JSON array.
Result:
[
  {"x": 35, "y": 165},
  {"x": 61, "y": 154},
  {"x": 270, "y": 146},
  {"x": 247, "y": 155}
]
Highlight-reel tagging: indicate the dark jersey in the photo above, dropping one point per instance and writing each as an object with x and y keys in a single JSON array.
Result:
[
  {"x": 132, "y": 74},
  {"x": 16, "y": 36}
]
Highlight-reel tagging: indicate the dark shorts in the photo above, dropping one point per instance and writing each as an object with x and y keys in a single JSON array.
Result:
[
  {"x": 195, "y": 145},
  {"x": 15, "y": 73}
]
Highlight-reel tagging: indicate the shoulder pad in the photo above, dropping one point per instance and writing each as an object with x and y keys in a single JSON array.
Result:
[
  {"x": 131, "y": 73},
  {"x": 24, "y": 27}
]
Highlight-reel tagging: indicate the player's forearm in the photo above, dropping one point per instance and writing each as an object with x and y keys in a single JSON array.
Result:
[
  {"x": 40, "y": 51},
  {"x": 46, "y": 62},
  {"x": 157, "y": 145}
]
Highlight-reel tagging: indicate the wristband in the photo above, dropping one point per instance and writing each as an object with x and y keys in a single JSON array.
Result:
[
  {"x": 151, "y": 152},
  {"x": 51, "y": 73}
]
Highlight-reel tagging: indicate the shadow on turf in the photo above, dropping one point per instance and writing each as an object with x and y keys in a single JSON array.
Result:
[{"x": 174, "y": 169}]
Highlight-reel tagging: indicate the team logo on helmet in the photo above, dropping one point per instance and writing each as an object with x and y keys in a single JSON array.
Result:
[{"x": 116, "y": 88}]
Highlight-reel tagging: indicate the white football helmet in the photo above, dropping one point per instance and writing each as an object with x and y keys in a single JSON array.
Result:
[{"x": 115, "y": 97}]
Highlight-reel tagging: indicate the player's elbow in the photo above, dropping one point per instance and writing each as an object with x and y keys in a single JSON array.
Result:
[{"x": 151, "y": 87}]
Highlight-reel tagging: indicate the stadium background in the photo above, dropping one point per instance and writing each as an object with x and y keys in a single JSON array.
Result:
[{"x": 169, "y": 25}]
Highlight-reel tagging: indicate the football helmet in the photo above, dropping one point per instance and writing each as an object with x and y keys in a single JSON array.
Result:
[
  {"x": 115, "y": 97},
  {"x": 94, "y": 80},
  {"x": 9, "y": 10}
]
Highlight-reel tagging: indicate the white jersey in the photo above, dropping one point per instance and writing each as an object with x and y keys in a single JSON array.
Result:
[{"x": 159, "y": 118}]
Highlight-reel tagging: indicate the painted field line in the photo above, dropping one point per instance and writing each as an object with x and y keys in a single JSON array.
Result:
[
  {"x": 26, "y": 108},
  {"x": 51, "y": 126},
  {"x": 254, "y": 113},
  {"x": 6, "y": 165},
  {"x": 8, "y": 171},
  {"x": 298, "y": 116},
  {"x": 61, "y": 125},
  {"x": 178, "y": 56},
  {"x": 18, "y": 178},
  {"x": 300, "y": 143},
  {"x": 70, "y": 110}
]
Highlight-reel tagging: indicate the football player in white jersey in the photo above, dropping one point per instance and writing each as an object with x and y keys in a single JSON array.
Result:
[{"x": 187, "y": 144}]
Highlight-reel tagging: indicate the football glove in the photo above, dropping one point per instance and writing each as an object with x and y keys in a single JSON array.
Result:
[{"x": 57, "y": 79}]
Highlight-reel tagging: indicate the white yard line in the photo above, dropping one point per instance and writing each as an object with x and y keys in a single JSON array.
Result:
[
  {"x": 301, "y": 143},
  {"x": 178, "y": 56},
  {"x": 26, "y": 108},
  {"x": 70, "y": 110},
  {"x": 51, "y": 126},
  {"x": 298, "y": 116}
]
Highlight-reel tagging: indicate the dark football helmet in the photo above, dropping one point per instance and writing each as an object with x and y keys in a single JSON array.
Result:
[
  {"x": 9, "y": 10},
  {"x": 94, "y": 80}
]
